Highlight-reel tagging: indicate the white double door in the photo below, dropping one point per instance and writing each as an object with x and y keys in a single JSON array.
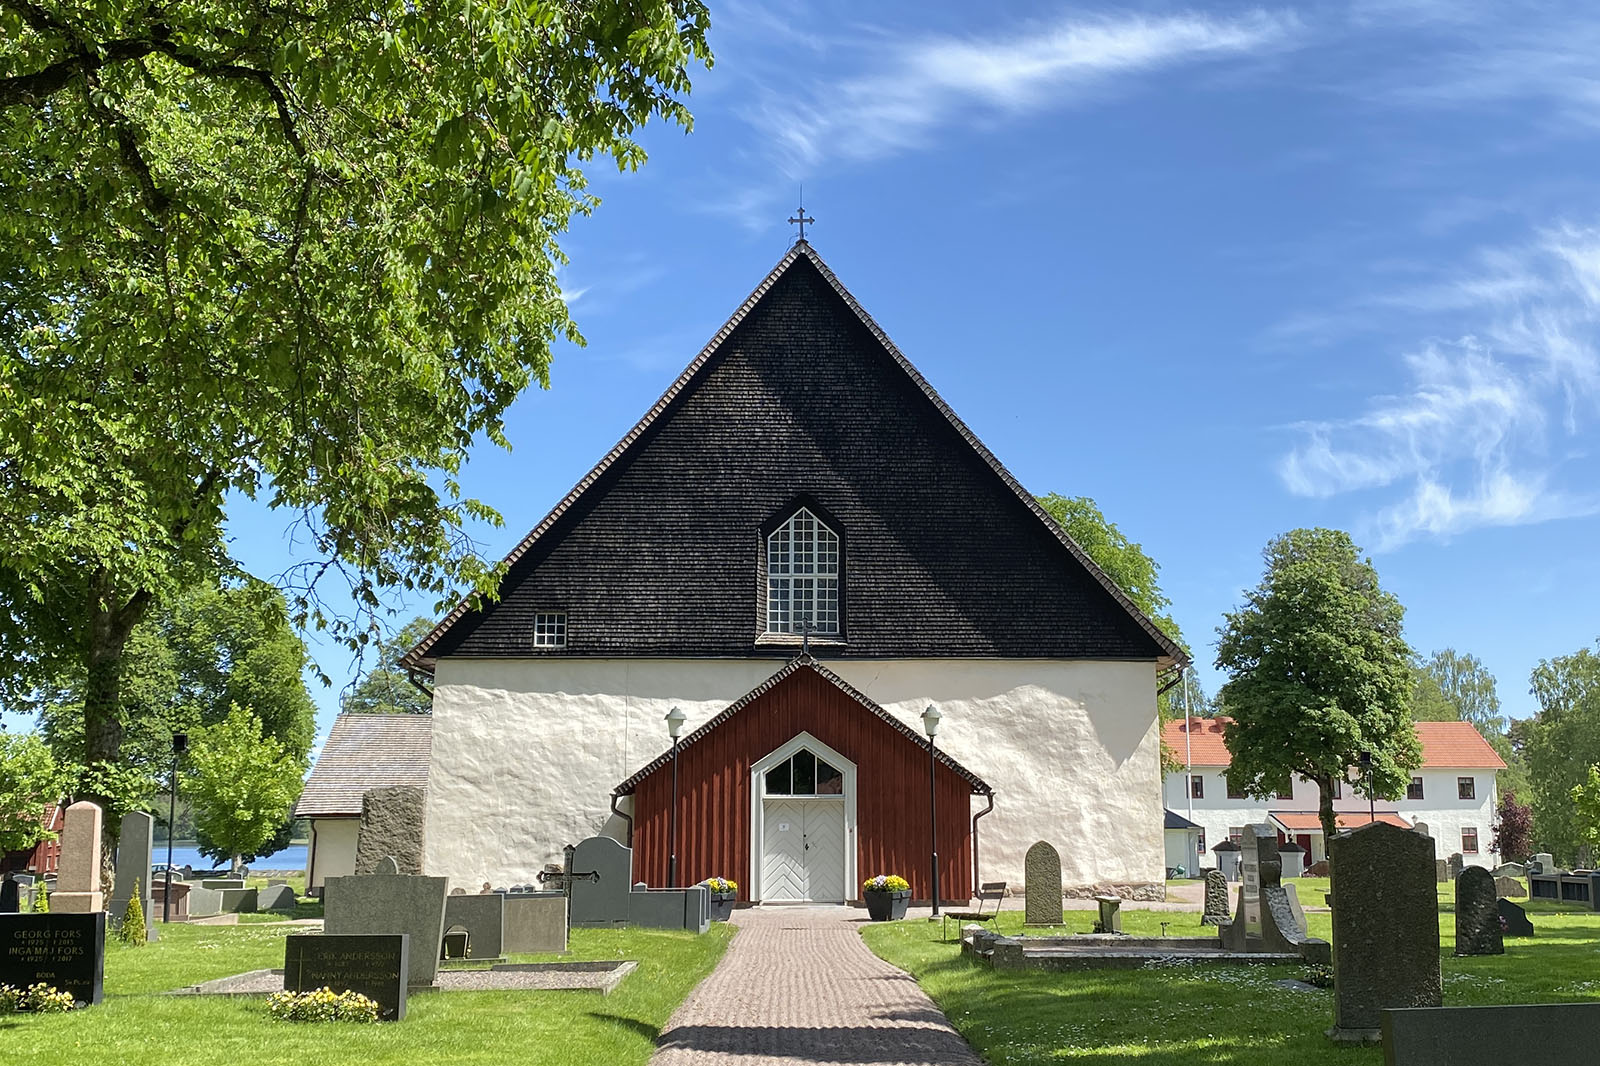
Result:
[{"x": 802, "y": 850}]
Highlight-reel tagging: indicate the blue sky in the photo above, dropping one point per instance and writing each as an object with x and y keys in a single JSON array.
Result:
[{"x": 1227, "y": 270}]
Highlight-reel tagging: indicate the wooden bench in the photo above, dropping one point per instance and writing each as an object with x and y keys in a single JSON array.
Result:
[{"x": 989, "y": 890}]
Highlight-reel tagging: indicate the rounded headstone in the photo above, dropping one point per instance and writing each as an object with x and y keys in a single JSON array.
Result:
[
  {"x": 1042, "y": 877},
  {"x": 1216, "y": 912},
  {"x": 1477, "y": 914}
]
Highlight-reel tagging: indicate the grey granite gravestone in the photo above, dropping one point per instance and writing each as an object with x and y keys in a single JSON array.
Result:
[
  {"x": 133, "y": 867},
  {"x": 1385, "y": 928},
  {"x": 1513, "y": 919},
  {"x": 1421, "y": 827},
  {"x": 1510, "y": 869},
  {"x": 1216, "y": 909},
  {"x": 392, "y": 821},
  {"x": 1441, "y": 871},
  {"x": 1477, "y": 916},
  {"x": 391, "y": 903},
  {"x": 483, "y": 918},
  {"x": 1509, "y": 887},
  {"x": 1278, "y": 925},
  {"x": 275, "y": 898},
  {"x": 1455, "y": 865},
  {"x": 1546, "y": 861},
  {"x": 65, "y": 951},
  {"x": 1042, "y": 883},
  {"x": 603, "y": 901},
  {"x": 535, "y": 923},
  {"x": 372, "y": 964}
]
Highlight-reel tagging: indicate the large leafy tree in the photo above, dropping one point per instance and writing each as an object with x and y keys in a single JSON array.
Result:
[
  {"x": 1469, "y": 687},
  {"x": 1513, "y": 829},
  {"x": 386, "y": 689},
  {"x": 303, "y": 254},
  {"x": 30, "y": 780},
  {"x": 1560, "y": 744},
  {"x": 187, "y": 664},
  {"x": 1318, "y": 673},
  {"x": 242, "y": 784}
]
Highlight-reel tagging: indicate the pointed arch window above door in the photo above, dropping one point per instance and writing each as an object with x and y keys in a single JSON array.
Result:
[
  {"x": 803, "y": 576},
  {"x": 803, "y": 774}
]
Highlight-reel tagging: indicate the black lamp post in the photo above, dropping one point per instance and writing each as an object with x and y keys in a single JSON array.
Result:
[
  {"x": 1372, "y": 803},
  {"x": 930, "y": 725},
  {"x": 180, "y": 744},
  {"x": 675, "y": 720}
]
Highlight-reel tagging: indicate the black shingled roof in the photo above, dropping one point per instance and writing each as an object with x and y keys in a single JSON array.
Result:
[{"x": 801, "y": 398}]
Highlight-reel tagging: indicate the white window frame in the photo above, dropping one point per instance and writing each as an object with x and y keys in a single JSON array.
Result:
[
  {"x": 552, "y": 625},
  {"x": 804, "y": 565}
]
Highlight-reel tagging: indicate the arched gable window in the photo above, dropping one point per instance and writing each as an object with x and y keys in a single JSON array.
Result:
[
  {"x": 803, "y": 576},
  {"x": 804, "y": 774}
]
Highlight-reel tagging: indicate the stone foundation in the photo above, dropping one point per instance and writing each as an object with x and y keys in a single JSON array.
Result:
[{"x": 1144, "y": 891}]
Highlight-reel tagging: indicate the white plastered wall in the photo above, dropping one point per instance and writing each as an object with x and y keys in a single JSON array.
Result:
[
  {"x": 526, "y": 753},
  {"x": 333, "y": 851}
]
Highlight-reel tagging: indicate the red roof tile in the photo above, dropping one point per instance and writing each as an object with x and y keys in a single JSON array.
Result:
[
  {"x": 1444, "y": 744},
  {"x": 1309, "y": 822}
]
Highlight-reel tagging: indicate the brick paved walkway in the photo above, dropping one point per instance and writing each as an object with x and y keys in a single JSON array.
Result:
[{"x": 799, "y": 987}]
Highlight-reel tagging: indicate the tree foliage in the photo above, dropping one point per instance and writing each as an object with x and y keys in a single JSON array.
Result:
[
  {"x": 300, "y": 254},
  {"x": 241, "y": 782},
  {"x": 1428, "y": 701},
  {"x": 385, "y": 689},
  {"x": 1513, "y": 829},
  {"x": 1469, "y": 687},
  {"x": 30, "y": 780},
  {"x": 1561, "y": 744},
  {"x": 281, "y": 838},
  {"x": 1318, "y": 673}
]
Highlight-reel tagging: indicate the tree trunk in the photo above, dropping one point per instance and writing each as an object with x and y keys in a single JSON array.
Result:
[
  {"x": 110, "y": 626},
  {"x": 1329, "y": 820}
]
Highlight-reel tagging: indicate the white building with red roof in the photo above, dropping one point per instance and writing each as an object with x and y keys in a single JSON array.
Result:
[{"x": 1453, "y": 794}]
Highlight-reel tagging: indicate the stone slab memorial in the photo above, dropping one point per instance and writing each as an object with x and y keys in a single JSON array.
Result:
[
  {"x": 1455, "y": 864},
  {"x": 275, "y": 898},
  {"x": 391, "y": 903},
  {"x": 610, "y": 899},
  {"x": 1513, "y": 919},
  {"x": 1268, "y": 917},
  {"x": 1441, "y": 871},
  {"x": 77, "y": 888},
  {"x": 1491, "y": 1036},
  {"x": 1477, "y": 916},
  {"x": 483, "y": 918},
  {"x": 1216, "y": 900},
  {"x": 1042, "y": 867},
  {"x": 65, "y": 951},
  {"x": 1510, "y": 869},
  {"x": 1546, "y": 861},
  {"x": 1509, "y": 888},
  {"x": 392, "y": 821},
  {"x": 1385, "y": 928},
  {"x": 134, "y": 847},
  {"x": 535, "y": 923},
  {"x": 374, "y": 964}
]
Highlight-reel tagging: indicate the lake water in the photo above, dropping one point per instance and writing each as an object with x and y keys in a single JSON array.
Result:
[{"x": 292, "y": 857}]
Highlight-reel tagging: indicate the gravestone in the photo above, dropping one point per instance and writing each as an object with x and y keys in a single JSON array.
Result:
[
  {"x": 1585, "y": 859},
  {"x": 77, "y": 888},
  {"x": 1268, "y": 917},
  {"x": 373, "y": 964},
  {"x": 391, "y": 903},
  {"x": 1509, "y": 887},
  {"x": 535, "y": 923},
  {"x": 1456, "y": 865},
  {"x": 392, "y": 822},
  {"x": 604, "y": 900},
  {"x": 1511, "y": 869},
  {"x": 1477, "y": 916},
  {"x": 483, "y": 918},
  {"x": 1216, "y": 911},
  {"x": 1441, "y": 871},
  {"x": 1546, "y": 861},
  {"x": 10, "y": 894},
  {"x": 133, "y": 868},
  {"x": 65, "y": 951},
  {"x": 275, "y": 898},
  {"x": 1385, "y": 928},
  {"x": 1513, "y": 919},
  {"x": 1421, "y": 827},
  {"x": 1110, "y": 914},
  {"x": 1042, "y": 868}
]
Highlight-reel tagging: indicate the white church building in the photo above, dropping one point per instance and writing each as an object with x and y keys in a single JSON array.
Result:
[{"x": 802, "y": 549}]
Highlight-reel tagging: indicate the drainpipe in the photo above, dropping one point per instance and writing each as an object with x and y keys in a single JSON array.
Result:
[
  {"x": 415, "y": 676},
  {"x": 615, "y": 797},
  {"x": 1188, "y": 758},
  {"x": 976, "y": 881}
]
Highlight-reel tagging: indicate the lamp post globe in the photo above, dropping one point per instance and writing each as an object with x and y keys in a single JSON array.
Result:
[
  {"x": 675, "y": 720},
  {"x": 930, "y": 726}
]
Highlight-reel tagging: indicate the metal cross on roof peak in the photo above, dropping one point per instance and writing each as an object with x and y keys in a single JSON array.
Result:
[{"x": 801, "y": 219}]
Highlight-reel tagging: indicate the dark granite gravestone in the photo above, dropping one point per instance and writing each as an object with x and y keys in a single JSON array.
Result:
[
  {"x": 1385, "y": 928},
  {"x": 1477, "y": 917},
  {"x": 373, "y": 964},
  {"x": 10, "y": 894},
  {"x": 1042, "y": 870},
  {"x": 1513, "y": 919},
  {"x": 65, "y": 951},
  {"x": 275, "y": 898},
  {"x": 1216, "y": 911},
  {"x": 391, "y": 903},
  {"x": 484, "y": 920},
  {"x": 392, "y": 821}
]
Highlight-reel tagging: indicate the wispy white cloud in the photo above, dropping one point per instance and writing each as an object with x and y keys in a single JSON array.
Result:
[
  {"x": 1469, "y": 439},
  {"x": 907, "y": 92}
]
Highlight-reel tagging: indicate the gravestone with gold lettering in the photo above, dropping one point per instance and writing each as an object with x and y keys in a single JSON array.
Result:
[
  {"x": 374, "y": 964},
  {"x": 65, "y": 951}
]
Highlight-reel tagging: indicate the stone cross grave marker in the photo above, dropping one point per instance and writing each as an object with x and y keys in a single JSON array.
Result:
[
  {"x": 1477, "y": 916},
  {"x": 78, "y": 877},
  {"x": 1216, "y": 912},
  {"x": 133, "y": 868},
  {"x": 1042, "y": 876},
  {"x": 1385, "y": 928},
  {"x": 374, "y": 964},
  {"x": 392, "y": 821}
]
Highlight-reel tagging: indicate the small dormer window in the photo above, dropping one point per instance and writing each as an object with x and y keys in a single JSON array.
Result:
[
  {"x": 550, "y": 629},
  {"x": 803, "y": 576}
]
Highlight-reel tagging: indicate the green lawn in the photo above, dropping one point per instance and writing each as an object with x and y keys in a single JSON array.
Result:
[
  {"x": 1188, "y": 1014},
  {"x": 138, "y": 1025}
]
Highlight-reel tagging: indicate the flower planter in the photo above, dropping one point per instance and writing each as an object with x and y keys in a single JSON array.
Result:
[
  {"x": 887, "y": 906},
  {"x": 722, "y": 905}
]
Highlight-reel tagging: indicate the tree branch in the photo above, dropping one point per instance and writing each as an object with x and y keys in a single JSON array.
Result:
[{"x": 41, "y": 84}]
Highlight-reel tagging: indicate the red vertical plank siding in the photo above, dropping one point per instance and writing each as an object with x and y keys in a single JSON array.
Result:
[{"x": 891, "y": 794}]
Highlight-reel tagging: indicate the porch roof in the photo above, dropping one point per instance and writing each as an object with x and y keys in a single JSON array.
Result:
[{"x": 1309, "y": 822}]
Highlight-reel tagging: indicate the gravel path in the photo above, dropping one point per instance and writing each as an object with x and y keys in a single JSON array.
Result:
[{"x": 798, "y": 987}]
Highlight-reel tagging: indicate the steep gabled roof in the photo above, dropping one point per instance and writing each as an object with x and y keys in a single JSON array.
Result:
[
  {"x": 366, "y": 751},
  {"x": 1156, "y": 644},
  {"x": 1445, "y": 745},
  {"x": 798, "y": 663}
]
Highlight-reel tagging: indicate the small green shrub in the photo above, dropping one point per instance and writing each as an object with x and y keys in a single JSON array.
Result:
[
  {"x": 40, "y": 999},
  {"x": 886, "y": 883},
  {"x": 41, "y": 898},
  {"x": 132, "y": 932},
  {"x": 322, "y": 1005}
]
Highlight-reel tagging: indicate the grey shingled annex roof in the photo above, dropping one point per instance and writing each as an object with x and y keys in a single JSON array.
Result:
[
  {"x": 800, "y": 396},
  {"x": 366, "y": 751},
  {"x": 1175, "y": 820}
]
